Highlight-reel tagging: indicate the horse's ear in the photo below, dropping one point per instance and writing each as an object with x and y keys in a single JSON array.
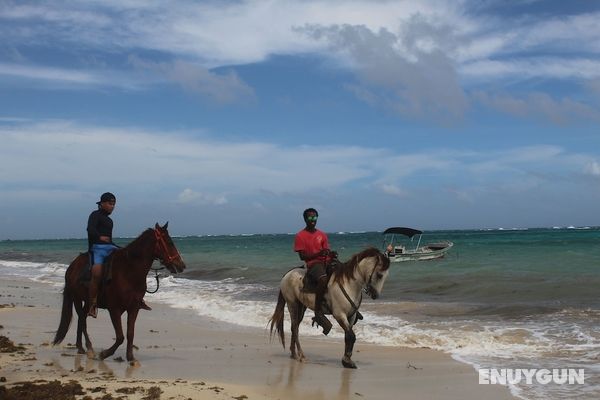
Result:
[
  {"x": 167, "y": 224},
  {"x": 156, "y": 226}
]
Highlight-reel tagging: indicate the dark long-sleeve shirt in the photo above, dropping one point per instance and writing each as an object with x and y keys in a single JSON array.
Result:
[{"x": 99, "y": 224}]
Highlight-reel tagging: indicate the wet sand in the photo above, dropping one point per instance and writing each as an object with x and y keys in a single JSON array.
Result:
[{"x": 184, "y": 356}]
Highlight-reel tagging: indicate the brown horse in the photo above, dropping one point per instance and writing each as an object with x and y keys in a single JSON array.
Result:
[
  {"x": 124, "y": 292},
  {"x": 366, "y": 271}
]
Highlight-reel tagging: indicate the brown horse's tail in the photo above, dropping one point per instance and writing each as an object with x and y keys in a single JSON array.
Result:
[
  {"x": 277, "y": 319},
  {"x": 65, "y": 316}
]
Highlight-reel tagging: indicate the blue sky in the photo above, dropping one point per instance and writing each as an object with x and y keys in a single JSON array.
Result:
[{"x": 233, "y": 116}]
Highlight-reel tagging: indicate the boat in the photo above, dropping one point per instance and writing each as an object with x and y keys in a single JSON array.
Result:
[{"x": 398, "y": 252}]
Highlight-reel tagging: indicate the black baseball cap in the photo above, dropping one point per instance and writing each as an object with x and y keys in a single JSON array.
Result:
[{"x": 108, "y": 196}]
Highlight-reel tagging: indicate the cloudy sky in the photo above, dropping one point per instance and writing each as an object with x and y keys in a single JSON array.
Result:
[{"x": 233, "y": 116}]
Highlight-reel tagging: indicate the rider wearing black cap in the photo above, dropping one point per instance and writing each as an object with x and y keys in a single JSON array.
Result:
[{"x": 99, "y": 230}]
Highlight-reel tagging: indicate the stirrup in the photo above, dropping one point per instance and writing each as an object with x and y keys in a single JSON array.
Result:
[{"x": 359, "y": 316}]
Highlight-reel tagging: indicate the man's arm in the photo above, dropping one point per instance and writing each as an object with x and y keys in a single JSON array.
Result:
[
  {"x": 91, "y": 227},
  {"x": 93, "y": 230},
  {"x": 305, "y": 256}
]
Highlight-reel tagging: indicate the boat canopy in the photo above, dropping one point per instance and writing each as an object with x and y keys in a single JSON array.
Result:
[{"x": 403, "y": 231}]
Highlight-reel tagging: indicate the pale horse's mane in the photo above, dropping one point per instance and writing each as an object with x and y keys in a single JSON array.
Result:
[{"x": 345, "y": 271}]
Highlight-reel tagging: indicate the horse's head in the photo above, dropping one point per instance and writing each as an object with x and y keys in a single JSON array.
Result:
[
  {"x": 166, "y": 251},
  {"x": 376, "y": 268}
]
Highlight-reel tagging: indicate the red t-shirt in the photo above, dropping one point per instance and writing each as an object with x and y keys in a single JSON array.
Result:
[{"x": 312, "y": 242}]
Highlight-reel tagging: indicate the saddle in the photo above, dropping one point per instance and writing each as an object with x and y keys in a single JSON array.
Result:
[
  {"x": 309, "y": 285},
  {"x": 85, "y": 276}
]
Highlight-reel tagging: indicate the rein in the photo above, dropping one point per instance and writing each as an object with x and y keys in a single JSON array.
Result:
[
  {"x": 160, "y": 248},
  {"x": 156, "y": 276},
  {"x": 354, "y": 306},
  {"x": 365, "y": 289},
  {"x": 369, "y": 287}
]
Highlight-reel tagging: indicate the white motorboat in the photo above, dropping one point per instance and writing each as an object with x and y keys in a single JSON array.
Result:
[{"x": 398, "y": 251}]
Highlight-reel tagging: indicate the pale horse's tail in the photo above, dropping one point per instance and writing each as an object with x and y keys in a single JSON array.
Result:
[{"x": 276, "y": 320}]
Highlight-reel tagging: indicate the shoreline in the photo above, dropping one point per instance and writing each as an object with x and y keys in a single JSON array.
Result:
[{"x": 187, "y": 355}]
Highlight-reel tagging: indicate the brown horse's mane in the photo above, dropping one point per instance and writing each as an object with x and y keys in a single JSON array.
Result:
[
  {"x": 132, "y": 246},
  {"x": 346, "y": 270},
  {"x": 139, "y": 238}
]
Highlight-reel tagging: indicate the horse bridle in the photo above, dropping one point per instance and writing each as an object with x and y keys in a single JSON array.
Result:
[
  {"x": 367, "y": 289},
  {"x": 161, "y": 247}
]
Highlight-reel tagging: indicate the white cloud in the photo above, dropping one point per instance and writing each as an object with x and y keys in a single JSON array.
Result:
[
  {"x": 411, "y": 57},
  {"x": 74, "y": 78},
  {"x": 51, "y": 74},
  {"x": 65, "y": 165},
  {"x": 60, "y": 152},
  {"x": 532, "y": 67},
  {"x": 189, "y": 196},
  {"x": 223, "y": 88},
  {"x": 216, "y": 33},
  {"x": 392, "y": 190},
  {"x": 75, "y": 157},
  {"x": 539, "y": 105},
  {"x": 399, "y": 72},
  {"x": 579, "y": 31},
  {"x": 594, "y": 87},
  {"x": 593, "y": 168},
  {"x": 466, "y": 196}
]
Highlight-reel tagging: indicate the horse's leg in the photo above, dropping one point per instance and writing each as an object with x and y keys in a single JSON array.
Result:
[
  {"x": 82, "y": 329},
  {"x": 131, "y": 317},
  {"x": 80, "y": 323},
  {"x": 301, "y": 309},
  {"x": 88, "y": 342},
  {"x": 115, "y": 317},
  {"x": 293, "y": 310},
  {"x": 349, "y": 340}
]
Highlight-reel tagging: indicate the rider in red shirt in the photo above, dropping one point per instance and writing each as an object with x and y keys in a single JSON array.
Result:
[{"x": 312, "y": 246}]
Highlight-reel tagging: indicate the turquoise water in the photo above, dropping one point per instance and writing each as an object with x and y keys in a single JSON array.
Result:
[{"x": 499, "y": 299}]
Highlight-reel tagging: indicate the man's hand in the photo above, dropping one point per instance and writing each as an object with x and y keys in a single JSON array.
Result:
[{"x": 324, "y": 253}]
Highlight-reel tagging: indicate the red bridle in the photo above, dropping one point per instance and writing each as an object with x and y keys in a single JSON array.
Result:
[{"x": 163, "y": 248}]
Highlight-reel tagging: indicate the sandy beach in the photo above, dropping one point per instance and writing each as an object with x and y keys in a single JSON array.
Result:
[{"x": 183, "y": 356}]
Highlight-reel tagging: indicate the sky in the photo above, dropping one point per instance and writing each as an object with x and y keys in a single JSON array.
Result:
[{"x": 230, "y": 117}]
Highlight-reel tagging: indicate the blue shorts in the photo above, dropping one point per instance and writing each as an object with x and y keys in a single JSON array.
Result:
[{"x": 101, "y": 251}]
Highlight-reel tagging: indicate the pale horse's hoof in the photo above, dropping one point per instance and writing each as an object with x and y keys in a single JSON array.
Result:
[{"x": 348, "y": 363}]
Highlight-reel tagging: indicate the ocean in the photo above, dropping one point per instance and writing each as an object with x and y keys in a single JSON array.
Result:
[{"x": 523, "y": 298}]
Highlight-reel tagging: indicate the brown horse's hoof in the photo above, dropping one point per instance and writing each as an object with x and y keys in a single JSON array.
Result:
[
  {"x": 144, "y": 306},
  {"x": 93, "y": 312},
  {"x": 134, "y": 363},
  {"x": 348, "y": 363},
  {"x": 103, "y": 354}
]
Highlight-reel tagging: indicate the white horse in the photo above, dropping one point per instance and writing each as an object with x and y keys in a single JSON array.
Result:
[{"x": 366, "y": 270}]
